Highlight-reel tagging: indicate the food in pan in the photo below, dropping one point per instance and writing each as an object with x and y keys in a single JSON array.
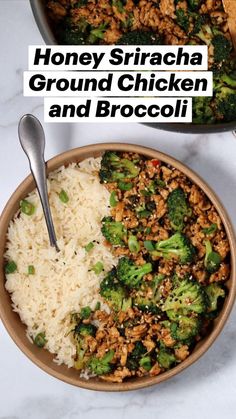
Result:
[
  {"x": 141, "y": 271},
  {"x": 155, "y": 22}
]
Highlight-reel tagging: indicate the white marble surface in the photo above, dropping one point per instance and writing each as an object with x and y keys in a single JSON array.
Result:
[{"x": 206, "y": 390}]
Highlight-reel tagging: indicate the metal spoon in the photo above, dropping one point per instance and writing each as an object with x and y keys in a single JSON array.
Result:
[{"x": 32, "y": 140}]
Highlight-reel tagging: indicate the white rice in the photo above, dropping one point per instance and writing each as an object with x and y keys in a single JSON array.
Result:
[{"x": 63, "y": 282}]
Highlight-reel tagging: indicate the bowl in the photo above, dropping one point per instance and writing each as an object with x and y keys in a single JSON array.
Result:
[
  {"x": 46, "y": 29},
  {"x": 43, "y": 358}
]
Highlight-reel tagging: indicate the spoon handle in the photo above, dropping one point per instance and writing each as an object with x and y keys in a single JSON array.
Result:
[{"x": 32, "y": 140}]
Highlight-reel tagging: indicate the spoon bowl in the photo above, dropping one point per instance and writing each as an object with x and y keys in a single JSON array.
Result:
[{"x": 32, "y": 140}]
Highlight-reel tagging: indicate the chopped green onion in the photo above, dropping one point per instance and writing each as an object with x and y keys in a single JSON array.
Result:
[
  {"x": 63, "y": 196},
  {"x": 126, "y": 24},
  {"x": 125, "y": 186},
  {"x": 126, "y": 303},
  {"x": 145, "y": 362},
  {"x": 98, "y": 305},
  {"x": 144, "y": 192},
  {"x": 74, "y": 317},
  {"x": 119, "y": 5},
  {"x": 133, "y": 244},
  {"x": 160, "y": 183},
  {"x": 152, "y": 187},
  {"x": 40, "y": 340},
  {"x": 212, "y": 259},
  {"x": 148, "y": 244},
  {"x": 144, "y": 214},
  {"x": 10, "y": 267},
  {"x": 31, "y": 270},
  {"x": 148, "y": 230},
  {"x": 210, "y": 230},
  {"x": 140, "y": 207},
  {"x": 26, "y": 207},
  {"x": 85, "y": 312},
  {"x": 113, "y": 199},
  {"x": 89, "y": 246},
  {"x": 154, "y": 184},
  {"x": 98, "y": 268}
]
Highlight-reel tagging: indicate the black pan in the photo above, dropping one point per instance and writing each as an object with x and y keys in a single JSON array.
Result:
[{"x": 41, "y": 18}]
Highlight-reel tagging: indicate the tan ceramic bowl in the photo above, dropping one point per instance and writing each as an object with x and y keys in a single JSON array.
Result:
[{"x": 43, "y": 358}]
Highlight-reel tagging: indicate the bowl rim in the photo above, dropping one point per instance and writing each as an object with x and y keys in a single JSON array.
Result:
[
  {"x": 42, "y": 22},
  {"x": 77, "y": 154}
]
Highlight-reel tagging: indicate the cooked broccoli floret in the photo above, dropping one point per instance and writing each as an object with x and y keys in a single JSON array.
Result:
[
  {"x": 85, "y": 329},
  {"x": 229, "y": 79},
  {"x": 165, "y": 358},
  {"x": 73, "y": 35},
  {"x": 82, "y": 33},
  {"x": 126, "y": 303},
  {"x": 166, "y": 324},
  {"x": 80, "y": 332},
  {"x": 80, "y": 3},
  {"x": 115, "y": 168},
  {"x": 130, "y": 274},
  {"x": 115, "y": 296},
  {"x": 113, "y": 231},
  {"x": 178, "y": 246},
  {"x": 140, "y": 37},
  {"x": 100, "y": 366},
  {"x": 80, "y": 359},
  {"x": 187, "y": 328},
  {"x": 224, "y": 75},
  {"x": 212, "y": 259},
  {"x": 187, "y": 296},
  {"x": 222, "y": 107},
  {"x": 214, "y": 291},
  {"x": 178, "y": 209},
  {"x": 109, "y": 280},
  {"x": 146, "y": 304},
  {"x": 96, "y": 34},
  {"x": 182, "y": 19},
  {"x": 194, "y": 4},
  {"x": 225, "y": 104},
  {"x": 174, "y": 315},
  {"x": 205, "y": 34},
  {"x": 112, "y": 290},
  {"x": 138, "y": 352},
  {"x": 202, "y": 111},
  {"x": 148, "y": 297},
  {"x": 222, "y": 48},
  {"x": 199, "y": 20},
  {"x": 132, "y": 363}
]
